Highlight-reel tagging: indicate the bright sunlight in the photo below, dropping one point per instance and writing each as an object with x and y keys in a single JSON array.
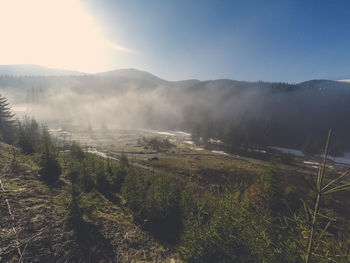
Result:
[{"x": 53, "y": 33}]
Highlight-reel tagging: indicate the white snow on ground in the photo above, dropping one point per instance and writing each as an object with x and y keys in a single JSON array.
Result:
[
  {"x": 182, "y": 134},
  {"x": 256, "y": 150},
  {"x": 94, "y": 151},
  {"x": 287, "y": 150},
  {"x": 215, "y": 141},
  {"x": 220, "y": 152},
  {"x": 165, "y": 133},
  {"x": 343, "y": 159},
  {"x": 189, "y": 142},
  {"x": 101, "y": 154},
  {"x": 55, "y": 130},
  {"x": 311, "y": 163}
]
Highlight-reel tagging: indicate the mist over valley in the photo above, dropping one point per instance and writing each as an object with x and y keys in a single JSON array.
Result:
[
  {"x": 257, "y": 113},
  {"x": 174, "y": 131}
]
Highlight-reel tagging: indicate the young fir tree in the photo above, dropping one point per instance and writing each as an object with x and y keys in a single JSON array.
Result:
[
  {"x": 7, "y": 122},
  {"x": 28, "y": 135},
  {"x": 50, "y": 168}
]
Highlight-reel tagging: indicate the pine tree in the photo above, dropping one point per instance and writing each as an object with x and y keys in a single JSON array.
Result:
[
  {"x": 50, "y": 168},
  {"x": 28, "y": 135},
  {"x": 7, "y": 121}
]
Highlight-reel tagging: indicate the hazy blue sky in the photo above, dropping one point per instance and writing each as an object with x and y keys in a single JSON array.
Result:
[
  {"x": 246, "y": 40},
  {"x": 180, "y": 39}
]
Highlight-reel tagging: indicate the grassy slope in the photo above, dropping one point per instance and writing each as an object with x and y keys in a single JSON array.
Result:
[
  {"x": 43, "y": 229},
  {"x": 110, "y": 235}
]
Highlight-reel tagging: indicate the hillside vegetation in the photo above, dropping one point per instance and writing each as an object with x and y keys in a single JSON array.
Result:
[{"x": 63, "y": 204}]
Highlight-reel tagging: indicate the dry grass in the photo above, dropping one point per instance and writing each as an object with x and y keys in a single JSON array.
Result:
[{"x": 43, "y": 229}]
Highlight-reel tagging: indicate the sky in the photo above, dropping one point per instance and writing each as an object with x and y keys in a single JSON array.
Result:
[{"x": 272, "y": 40}]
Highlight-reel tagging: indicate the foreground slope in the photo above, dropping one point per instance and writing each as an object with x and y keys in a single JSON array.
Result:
[{"x": 40, "y": 230}]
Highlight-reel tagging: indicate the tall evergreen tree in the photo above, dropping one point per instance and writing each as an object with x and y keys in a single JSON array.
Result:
[{"x": 7, "y": 121}]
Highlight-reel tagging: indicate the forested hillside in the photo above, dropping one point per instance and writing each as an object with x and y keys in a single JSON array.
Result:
[{"x": 253, "y": 114}]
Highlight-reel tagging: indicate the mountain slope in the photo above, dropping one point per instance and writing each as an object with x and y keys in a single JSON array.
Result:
[
  {"x": 130, "y": 73},
  {"x": 324, "y": 83}
]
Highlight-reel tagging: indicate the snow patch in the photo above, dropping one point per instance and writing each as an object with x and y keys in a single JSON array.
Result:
[
  {"x": 287, "y": 150},
  {"x": 98, "y": 153},
  {"x": 198, "y": 149},
  {"x": 311, "y": 163},
  {"x": 220, "y": 152},
  {"x": 165, "y": 133}
]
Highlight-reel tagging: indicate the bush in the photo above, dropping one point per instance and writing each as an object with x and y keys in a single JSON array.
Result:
[
  {"x": 134, "y": 191},
  {"x": 219, "y": 228},
  {"x": 28, "y": 135},
  {"x": 76, "y": 152},
  {"x": 162, "y": 212},
  {"x": 81, "y": 203},
  {"x": 25, "y": 144},
  {"x": 216, "y": 232},
  {"x": 87, "y": 181},
  {"x": 155, "y": 203},
  {"x": 102, "y": 181},
  {"x": 50, "y": 168},
  {"x": 117, "y": 179}
]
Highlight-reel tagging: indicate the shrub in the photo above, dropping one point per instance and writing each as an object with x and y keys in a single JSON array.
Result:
[
  {"x": 215, "y": 232},
  {"x": 162, "y": 212},
  {"x": 134, "y": 191},
  {"x": 50, "y": 168},
  {"x": 28, "y": 135}
]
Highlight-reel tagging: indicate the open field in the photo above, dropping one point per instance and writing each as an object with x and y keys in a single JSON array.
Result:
[{"x": 185, "y": 159}]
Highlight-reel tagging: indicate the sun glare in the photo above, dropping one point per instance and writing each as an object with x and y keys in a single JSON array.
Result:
[{"x": 53, "y": 33}]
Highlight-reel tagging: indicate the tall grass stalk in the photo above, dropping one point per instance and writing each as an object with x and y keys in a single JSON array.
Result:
[{"x": 323, "y": 190}]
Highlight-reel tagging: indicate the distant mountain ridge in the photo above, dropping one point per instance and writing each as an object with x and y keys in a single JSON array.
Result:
[
  {"x": 22, "y": 70},
  {"x": 129, "y": 73}
]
